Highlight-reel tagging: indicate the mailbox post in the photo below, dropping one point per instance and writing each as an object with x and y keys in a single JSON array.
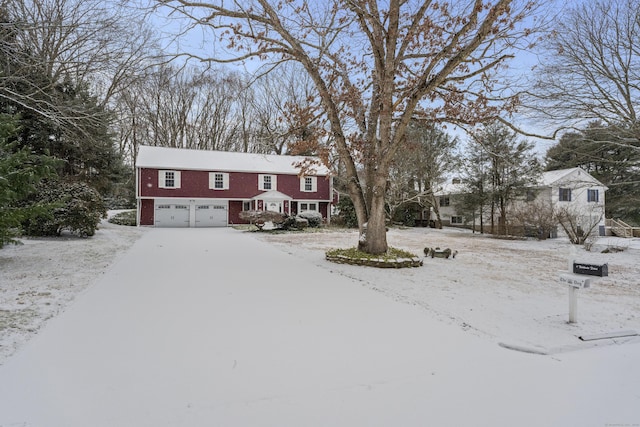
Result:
[
  {"x": 580, "y": 276},
  {"x": 574, "y": 282}
]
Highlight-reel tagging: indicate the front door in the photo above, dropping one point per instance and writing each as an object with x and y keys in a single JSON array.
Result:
[{"x": 274, "y": 206}]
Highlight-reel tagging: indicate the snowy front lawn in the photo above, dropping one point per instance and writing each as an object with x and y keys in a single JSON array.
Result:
[{"x": 505, "y": 290}]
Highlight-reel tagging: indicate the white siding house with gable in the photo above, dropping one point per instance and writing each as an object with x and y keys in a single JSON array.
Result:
[{"x": 573, "y": 190}]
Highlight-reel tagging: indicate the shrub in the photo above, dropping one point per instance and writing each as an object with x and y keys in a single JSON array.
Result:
[
  {"x": 346, "y": 213},
  {"x": 314, "y": 218},
  {"x": 301, "y": 223},
  {"x": 124, "y": 218},
  {"x": 258, "y": 218},
  {"x": 74, "y": 207}
]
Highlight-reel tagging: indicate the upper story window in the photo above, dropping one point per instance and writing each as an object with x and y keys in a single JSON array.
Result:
[
  {"x": 267, "y": 182},
  {"x": 445, "y": 201},
  {"x": 309, "y": 184},
  {"x": 592, "y": 196},
  {"x": 564, "y": 195},
  {"x": 168, "y": 179},
  {"x": 218, "y": 181}
]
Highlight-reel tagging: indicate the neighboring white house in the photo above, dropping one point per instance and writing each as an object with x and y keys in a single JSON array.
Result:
[{"x": 573, "y": 190}]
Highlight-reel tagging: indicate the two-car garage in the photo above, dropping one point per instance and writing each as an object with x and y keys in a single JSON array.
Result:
[{"x": 201, "y": 213}]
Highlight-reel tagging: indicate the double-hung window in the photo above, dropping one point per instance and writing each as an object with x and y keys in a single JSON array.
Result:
[
  {"x": 592, "y": 196},
  {"x": 564, "y": 195},
  {"x": 218, "y": 181},
  {"x": 445, "y": 201},
  {"x": 309, "y": 184},
  {"x": 267, "y": 182},
  {"x": 168, "y": 179}
]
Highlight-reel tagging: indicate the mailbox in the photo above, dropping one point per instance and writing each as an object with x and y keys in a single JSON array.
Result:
[{"x": 600, "y": 270}]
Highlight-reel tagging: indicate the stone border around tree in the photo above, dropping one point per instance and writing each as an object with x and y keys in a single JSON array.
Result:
[{"x": 370, "y": 261}]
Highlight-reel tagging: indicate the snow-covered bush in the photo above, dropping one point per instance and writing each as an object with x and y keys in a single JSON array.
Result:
[
  {"x": 124, "y": 218},
  {"x": 259, "y": 218},
  {"x": 301, "y": 223},
  {"x": 74, "y": 207},
  {"x": 314, "y": 218}
]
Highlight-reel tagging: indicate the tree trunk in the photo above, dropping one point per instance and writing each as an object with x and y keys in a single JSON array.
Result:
[
  {"x": 502, "y": 224},
  {"x": 436, "y": 208},
  {"x": 493, "y": 216},
  {"x": 373, "y": 230}
]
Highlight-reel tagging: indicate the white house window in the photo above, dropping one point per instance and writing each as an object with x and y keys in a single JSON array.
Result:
[
  {"x": 309, "y": 184},
  {"x": 305, "y": 206},
  {"x": 444, "y": 201},
  {"x": 456, "y": 220},
  {"x": 168, "y": 179},
  {"x": 592, "y": 196},
  {"x": 246, "y": 205},
  {"x": 267, "y": 182},
  {"x": 218, "y": 181},
  {"x": 564, "y": 195}
]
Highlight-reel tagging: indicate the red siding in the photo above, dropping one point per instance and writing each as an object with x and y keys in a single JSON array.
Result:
[
  {"x": 241, "y": 186},
  {"x": 235, "y": 207}
]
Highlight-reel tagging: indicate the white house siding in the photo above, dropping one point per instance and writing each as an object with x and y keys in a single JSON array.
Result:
[{"x": 575, "y": 179}]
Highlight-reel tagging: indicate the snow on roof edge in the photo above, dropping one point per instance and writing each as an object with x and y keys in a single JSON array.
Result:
[{"x": 228, "y": 161}]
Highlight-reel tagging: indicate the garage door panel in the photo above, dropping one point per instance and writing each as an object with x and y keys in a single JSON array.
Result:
[
  {"x": 172, "y": 215},
  {"x": 211, "y": 215}
]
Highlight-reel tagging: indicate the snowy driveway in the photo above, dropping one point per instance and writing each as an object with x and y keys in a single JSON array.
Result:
[{"x": 211, "y": 327}]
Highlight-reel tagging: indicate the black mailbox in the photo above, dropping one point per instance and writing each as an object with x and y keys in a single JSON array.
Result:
[{"x": 600, "y": 270}]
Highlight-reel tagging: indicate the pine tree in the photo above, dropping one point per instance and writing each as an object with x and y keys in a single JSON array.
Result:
[{"x": 20, "y": 171}]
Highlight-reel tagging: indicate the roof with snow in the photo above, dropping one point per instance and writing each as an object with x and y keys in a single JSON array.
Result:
[
  {"x": 547, "y": 179},
  {"x": 182, "y": 158},
  {"x": 571, "y": 175}
]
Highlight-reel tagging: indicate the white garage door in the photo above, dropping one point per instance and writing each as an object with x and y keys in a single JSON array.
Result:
[
  {"x": 170, "y": 215},
  {"x": 211, "y": 215}
]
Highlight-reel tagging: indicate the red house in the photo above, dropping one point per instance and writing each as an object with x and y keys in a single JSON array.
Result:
[{"x": 177, "y": 187}]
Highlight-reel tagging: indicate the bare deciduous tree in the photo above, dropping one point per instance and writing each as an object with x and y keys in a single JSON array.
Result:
[
  {"x": 591, "y": 70},
  {"x": 579, "y": 224},
  {"x": 374, "y": 67},
  {"x": 95, "y": 44}
]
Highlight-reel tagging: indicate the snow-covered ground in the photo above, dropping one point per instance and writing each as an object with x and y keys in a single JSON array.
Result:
[
  {"x": 505, "y": 290},
  {"x": 40, "y": 277},
  {"x": 201, "y": 327}
]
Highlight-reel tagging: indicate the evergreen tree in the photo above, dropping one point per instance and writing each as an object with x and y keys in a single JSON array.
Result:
[
  {"x": 58, "y": 118},
  {"x": 419, "y": 169},
  {"x": 511, "y": 167},
  {"x": 20, "y": 171}
]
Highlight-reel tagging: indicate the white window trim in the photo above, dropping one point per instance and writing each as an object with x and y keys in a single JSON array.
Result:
[
  {"x": 274, "y": 182},
  {"x": 308, "y": 202},
  {"x": 212, "y": 180},
  {"x": 314, "y": 184},
  {"x": 162, "y": 176}
]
